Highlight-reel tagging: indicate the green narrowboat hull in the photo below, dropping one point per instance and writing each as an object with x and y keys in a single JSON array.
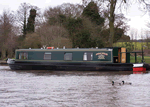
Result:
[{"x": 67, "y": 66}]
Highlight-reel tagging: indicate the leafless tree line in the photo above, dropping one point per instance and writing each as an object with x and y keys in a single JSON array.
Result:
[{"x": 13, "y": 25}]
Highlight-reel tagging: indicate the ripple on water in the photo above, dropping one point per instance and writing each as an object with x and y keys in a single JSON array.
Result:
[{"x": 72, "y": 89}]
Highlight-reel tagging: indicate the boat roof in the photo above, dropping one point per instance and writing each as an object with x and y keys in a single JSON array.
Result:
[{"x": 68, "y": 49}]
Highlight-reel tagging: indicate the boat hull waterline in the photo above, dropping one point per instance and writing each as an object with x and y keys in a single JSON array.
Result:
[{"x": 71, "y": 66}]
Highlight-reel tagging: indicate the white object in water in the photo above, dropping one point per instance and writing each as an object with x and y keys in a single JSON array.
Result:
[
  {"x": 138, "y": 65},
  {"x": 9, "y": 60}
]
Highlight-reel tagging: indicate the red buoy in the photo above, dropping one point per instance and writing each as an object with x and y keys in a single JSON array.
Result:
[
  {"x": 50, "y": 47},
  {"x": 139, "y": 69}
]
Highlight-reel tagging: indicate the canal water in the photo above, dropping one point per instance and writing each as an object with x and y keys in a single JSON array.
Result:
[{"x": 72, "y": 89}]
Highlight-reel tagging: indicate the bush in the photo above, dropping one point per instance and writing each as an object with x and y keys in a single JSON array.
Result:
[{"x": 129, "y": 46}]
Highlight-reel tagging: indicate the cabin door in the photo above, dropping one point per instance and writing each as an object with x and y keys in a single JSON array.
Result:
[{"x": 123, "y": 55}]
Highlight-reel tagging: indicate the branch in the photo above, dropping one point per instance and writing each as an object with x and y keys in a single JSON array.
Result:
[
  {"x": 147, "y": 4},
  {"x": 124, "y": 1}
]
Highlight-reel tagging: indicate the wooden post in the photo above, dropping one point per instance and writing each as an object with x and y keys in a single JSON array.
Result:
[{"x": 135, "y": 58}]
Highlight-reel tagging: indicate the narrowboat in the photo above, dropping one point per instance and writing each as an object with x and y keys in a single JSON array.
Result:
[{"x": 77, "y": 59}]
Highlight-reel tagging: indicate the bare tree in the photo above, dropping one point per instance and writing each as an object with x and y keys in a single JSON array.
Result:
[
  {"x": 120, "y": 21},
  {"x": 7, "y": 36},
  {"x": 148, "y": 34},
  {"x": 74, "y": 10},
  {"x": 54, "y": 36},
  {"x": 134, "y": 36},
  {"x": 67, "y": 9},
  {"x": 147, "y": 38},
  {"x": 32, "y": 40},
  {"x": 111, "y": 7},
  {"x": 142, "y": 36},
  {"x": 22, "y": 15}
]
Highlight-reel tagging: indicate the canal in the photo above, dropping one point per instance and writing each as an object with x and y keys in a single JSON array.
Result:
[{"x": 72, "y": 89}]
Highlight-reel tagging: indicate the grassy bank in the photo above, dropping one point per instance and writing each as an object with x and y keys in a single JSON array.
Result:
[
  {"x": 139, "y": 59},
  {"x": 137, "y": 45}
]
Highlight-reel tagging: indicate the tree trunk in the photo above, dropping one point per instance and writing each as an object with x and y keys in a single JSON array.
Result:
[
  {"x": 10, "y": 53},
  {"x": 111, "y": 21},
  {"x": 111, "y": 35},
  {"x": 24, "y": 26},
  {"x": 3, "y": 53}
]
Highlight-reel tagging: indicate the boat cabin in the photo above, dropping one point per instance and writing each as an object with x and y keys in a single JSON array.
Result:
[
  {"x": 103, "y": 55},
  {"x": 120, "y": 55}
]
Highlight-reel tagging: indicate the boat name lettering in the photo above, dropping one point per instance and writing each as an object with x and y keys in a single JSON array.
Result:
[{"x": 101, "y": 55}]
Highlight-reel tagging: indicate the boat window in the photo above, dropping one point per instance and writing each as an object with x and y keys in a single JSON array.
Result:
[
  {"x": 87, "y": 56},
  {"x": 68, "y": 56},
  {"x": 47, "y": 56},
  {"x": 23, "y": 55}
]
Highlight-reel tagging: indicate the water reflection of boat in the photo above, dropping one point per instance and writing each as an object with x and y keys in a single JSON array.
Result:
[{"x": 84, "y": 59}]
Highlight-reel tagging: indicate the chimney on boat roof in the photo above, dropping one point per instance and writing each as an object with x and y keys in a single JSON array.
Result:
[
  {"x": 77, "y": 47},
  {"x": 29, "y": 48},
  {"x": 96, "y": 47},
  {"x": 63, "y": 47},
  {"x": 57, "y": 48}
]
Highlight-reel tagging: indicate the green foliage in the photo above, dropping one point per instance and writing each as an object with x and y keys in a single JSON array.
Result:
[
  {"x": 81, "y": 31},
  {"x": 98, "y": 43},
  {"x": 118, "y": 34},
  {"x": 139, "y": 59},
  {"x": 147, "y": 59},
  {"x": 52, "y": 21},
  {"x": 61, "y": 18},
  {"x": 19, "y": 41},
  {"x": 81, "y": 35},
  {"x": 129, "y": 46},
  {"x": 138, "y": 44},
  {"x": 91, "y": 11},
  {"x": 82, "y": 39},
  {"x": 74, "y": 25},
  {"x": 124, "y": 38},
  {"x": 31, "y": 21}
]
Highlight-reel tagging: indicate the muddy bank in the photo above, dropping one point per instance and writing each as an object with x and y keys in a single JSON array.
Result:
[{"x": 3, "y": 62}]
